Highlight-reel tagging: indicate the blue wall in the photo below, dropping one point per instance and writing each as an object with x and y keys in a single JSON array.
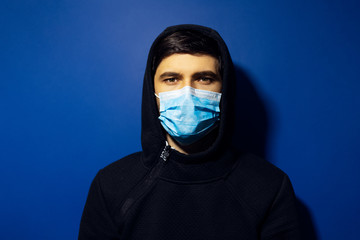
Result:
[{"x": 70, "y": 93}]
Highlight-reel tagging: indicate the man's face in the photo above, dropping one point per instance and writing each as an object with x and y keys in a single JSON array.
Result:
[{"x": 180, "y": 70}]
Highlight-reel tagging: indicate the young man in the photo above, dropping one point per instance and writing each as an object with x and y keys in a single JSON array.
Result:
[{"x": 188, "y": 183}]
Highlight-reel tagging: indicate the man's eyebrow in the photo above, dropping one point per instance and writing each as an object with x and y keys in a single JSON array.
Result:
[
  {"x": 207, "y": 74},
  {"x": 169, "y": 74}
]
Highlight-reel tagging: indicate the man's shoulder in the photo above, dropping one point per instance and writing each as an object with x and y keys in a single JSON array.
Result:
[
  {"x": 256, "y": 182},
  {"x": 129, "y": 161},
  {"x": 255, "y": 168},
  {"x": 118, "y": 178},
  {"x": 125, "y": 169}
]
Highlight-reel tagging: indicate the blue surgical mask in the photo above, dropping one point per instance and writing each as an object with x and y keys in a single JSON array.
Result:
[{"x": 188, "y": 114}]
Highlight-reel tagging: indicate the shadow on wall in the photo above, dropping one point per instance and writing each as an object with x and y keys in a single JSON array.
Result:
[
  {"x": 250, "y": 135},
  {"x": 306, "y": 223},
  {"x": 251, "y": 124}
]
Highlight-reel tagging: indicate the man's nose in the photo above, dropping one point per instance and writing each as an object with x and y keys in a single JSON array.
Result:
[{"x": 188, "y": 83}]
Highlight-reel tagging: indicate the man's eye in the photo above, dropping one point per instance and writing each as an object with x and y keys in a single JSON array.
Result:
[
  {"x": 206, "y": 80},
  {"x": 170, "y": 80}
]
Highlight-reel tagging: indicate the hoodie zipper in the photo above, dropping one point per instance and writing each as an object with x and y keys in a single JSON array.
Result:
[
  {"x": 165, "y": 152},
  {"x": 146, "y": 185},
  {"x": 155, "y": 171}
]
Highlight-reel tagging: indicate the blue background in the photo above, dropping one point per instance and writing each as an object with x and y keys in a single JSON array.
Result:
[{"x": 70, "y": 94}]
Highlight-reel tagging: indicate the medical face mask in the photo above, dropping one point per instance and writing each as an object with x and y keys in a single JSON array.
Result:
[{"x": 188, "y": 114}]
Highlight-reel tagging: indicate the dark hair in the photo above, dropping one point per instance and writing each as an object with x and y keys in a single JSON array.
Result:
[{"x": 185, "y": 41}]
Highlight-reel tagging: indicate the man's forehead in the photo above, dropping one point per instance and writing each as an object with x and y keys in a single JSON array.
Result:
[
  {"x": 178, "y": 63},
  {"x": 210, "y": 73}
]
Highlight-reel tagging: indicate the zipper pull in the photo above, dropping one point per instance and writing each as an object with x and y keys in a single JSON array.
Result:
[{"x": 165, "y": 152}]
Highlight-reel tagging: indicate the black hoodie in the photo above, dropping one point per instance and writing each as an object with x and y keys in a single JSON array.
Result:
[{"x": 161, "y": 194}]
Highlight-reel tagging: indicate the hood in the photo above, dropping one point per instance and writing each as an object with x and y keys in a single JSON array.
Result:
[{"x": 152, "y": 135}]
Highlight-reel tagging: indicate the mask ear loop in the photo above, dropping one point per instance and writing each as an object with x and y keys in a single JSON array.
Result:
[{"x": 166, "y": 142}]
